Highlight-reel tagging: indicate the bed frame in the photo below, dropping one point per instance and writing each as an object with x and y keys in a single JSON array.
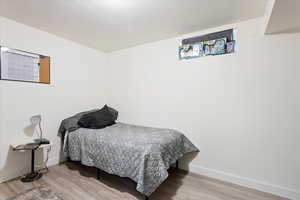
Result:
[{"x": 146, "y": 197}]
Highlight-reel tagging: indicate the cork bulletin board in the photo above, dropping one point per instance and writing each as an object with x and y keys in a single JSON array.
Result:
[{"x": 17, "y": 65}]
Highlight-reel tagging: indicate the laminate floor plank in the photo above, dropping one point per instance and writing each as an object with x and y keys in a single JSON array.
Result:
[{"x": 73, "y": 181}]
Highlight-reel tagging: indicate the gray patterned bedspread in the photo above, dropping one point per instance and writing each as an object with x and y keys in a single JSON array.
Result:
[{"x": 141, "y": 153}]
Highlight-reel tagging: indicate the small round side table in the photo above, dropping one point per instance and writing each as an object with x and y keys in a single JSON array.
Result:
[{"x": 32, "y": 176}]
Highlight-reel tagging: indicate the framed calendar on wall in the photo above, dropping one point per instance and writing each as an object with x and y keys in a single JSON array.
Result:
[{"x": 17, "y": 65}]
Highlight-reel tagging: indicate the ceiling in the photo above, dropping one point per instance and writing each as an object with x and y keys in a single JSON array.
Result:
[
  {"x": 284, "y": 17},
  {"x": 109, "y": 25}
]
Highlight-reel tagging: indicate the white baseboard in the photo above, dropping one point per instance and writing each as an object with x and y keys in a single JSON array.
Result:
[
  {"x": 227, "y": 177},
  {"x": 53, "y": 161},
  {"x": 247, "y": 182},
  {"x": 12, "y": 174}
]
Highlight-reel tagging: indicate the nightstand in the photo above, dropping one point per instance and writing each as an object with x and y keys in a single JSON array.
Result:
[{"x": 33, "y": 175}]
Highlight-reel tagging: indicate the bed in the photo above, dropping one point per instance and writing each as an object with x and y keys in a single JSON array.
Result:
[{"x": 143, "y": 154}]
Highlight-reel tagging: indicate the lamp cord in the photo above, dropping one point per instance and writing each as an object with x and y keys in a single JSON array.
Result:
[
  {"x": 41, "y": 132},
  {"x": 46, "y": 161}
]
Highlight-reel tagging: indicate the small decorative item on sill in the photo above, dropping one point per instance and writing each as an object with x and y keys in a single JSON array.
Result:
[
  {"x": 230, "y": 47},
  {"x": 218, "y": 46},
  {"x": 189, "y": 51},
  {"x": 206, "y": 49}
]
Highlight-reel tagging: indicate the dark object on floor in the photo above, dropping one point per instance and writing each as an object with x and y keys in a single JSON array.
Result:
[
  {"x": 37, "y": 193},
  {"x": 33, "y": 175}
]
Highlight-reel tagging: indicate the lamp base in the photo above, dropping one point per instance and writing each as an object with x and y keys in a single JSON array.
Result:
[
  {"x": 42, "y": 141},
  {"x": 31, "y": 177}
]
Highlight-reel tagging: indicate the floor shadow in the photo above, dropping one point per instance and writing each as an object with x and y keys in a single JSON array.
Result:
[
  {"x": 82, "y": 169},
  {"x": 62, "y": 157},
  {"x": 184, "y": 162},
  {"x": 18, "y": 163},
  {"x": 14, "y": 165},
  {"x": 166, "y": 190}
]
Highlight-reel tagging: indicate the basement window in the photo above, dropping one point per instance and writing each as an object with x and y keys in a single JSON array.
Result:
[{"x": 212, "y": 44}]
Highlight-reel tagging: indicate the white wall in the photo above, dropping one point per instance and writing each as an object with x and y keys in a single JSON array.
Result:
[
  {"x": 1, "y": 135},
  {"x": 241, "y": 110},
  {"x": 77, "y": 84},
  {"x": 282, "y": 16}
]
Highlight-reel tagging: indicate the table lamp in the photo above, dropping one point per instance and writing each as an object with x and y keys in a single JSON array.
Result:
[{"x": 36, "y": 121}]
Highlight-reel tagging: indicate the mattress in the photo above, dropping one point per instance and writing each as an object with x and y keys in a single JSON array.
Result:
[{"x": 143, "y": 154}]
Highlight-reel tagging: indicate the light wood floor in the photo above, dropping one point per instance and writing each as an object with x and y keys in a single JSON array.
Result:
[{"x": 73, "y": 181}]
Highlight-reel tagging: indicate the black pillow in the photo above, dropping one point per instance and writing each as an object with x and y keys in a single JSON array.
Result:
[
  {"x": 98, "y": 119},
  {"x": 113, "y": 112}
]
